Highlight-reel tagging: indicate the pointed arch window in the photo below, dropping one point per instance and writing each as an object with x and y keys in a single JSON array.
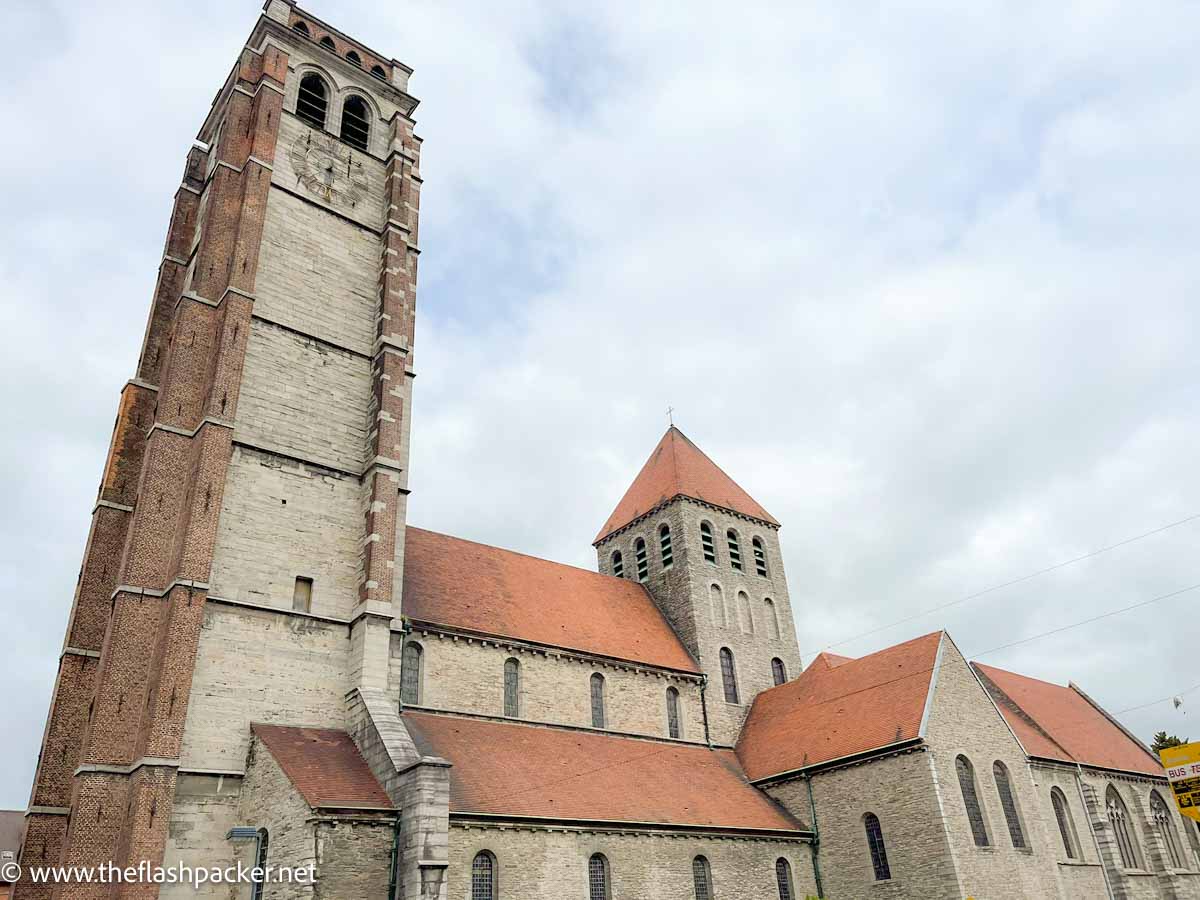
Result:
[
  {"x": 772, "y": 617},
  {"x": 728, "y": 676},
  {"x": 356, "y": 122},
  {"x": 706, "y": 544},
  {"x": 783, "y": 878},
  {"x": 778, "y": 671},
  {"x": 664, "y": 544},
  {"x": 718, "y": 605},
  {"x": 760, "y": 557},
  {"x": 598, "y": 877},
  {"x": 411, "y": 661},
  {"x": 702, "y": 878},
  {"x": 966, "y": 783},
  {"x": 879, "y": 860},
  {"x": 639, "y": 557},
  {"x": 512, "y": 688},
  {"x": 618, "y": 564},
  {"x": 1165, "y": 826},
  {"x": 1008, "y": 803},
  {"x": 483, "y": 876},
  {"x": 312, "y": 101},
  {"x": 597, "y": 689},
  {"x": 1118, "y": 818},
  {"x": 673, "y": 728},
  {"x": 735, "y": 550},
  {"x": 1066, "y": 824}
]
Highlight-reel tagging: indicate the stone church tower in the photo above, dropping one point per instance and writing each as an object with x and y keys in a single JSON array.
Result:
[{"x": 709, "y": 555}]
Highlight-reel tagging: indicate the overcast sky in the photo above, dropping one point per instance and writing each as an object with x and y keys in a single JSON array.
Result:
[{"x": 924, "y": 282}]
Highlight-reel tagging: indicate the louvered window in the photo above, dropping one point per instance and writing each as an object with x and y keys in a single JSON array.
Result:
[
  {"x": 702, "y": 878},
  {"x": 483, "y": 877},
  {"x": 879, "y": 860},
  {"x": 598, "y": 877},
  {"x": 618, "y": 565},
  {"x": 673, "y": 729},
  {"x": 966, "y": 783},
  {"x": 778, "y": 671},
  {"x": 706, "y": 543},
  {"x": 783, "y": 878},
  {"x": 760, "y": 557},
  {"x": 639, "y": 556},
  {"x": 410, "y": 673},
  {"x": 597, "y": 688},
  {"x": 664, "y": 542},
  {"x": 1008, "y": 803},
  {"x": 735, "y": 550},
  {"x": 728, "y": 676},
  {"x": 1165, "y": 826},
  {"x": 312, "y": 100},
  {"x": 1066, "y": 827},
  {"x": 356, "y": 122},
  {"x": 512, "y": 688}
]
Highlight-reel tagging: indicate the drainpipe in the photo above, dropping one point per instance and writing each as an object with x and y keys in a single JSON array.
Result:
[
  {"x": 1108, "y": 889},
  {"x": 704, "y": 709},
  {"x": 816, "y": 843},
  {"x": 394, "y": 869}
]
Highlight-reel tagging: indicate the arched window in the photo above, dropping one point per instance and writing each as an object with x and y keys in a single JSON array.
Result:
[
  {"x": 728, "y": 676},
  {"x": 411, "y": 660},
  {"x": 378, "y": 72},
  {"x": 356, "y": 123},
  {"x": 664, "y": 544},
  {"x": 760, "y": 558},
  {"x": 879, "y": 860},
  {"x": 639, "y": 556},
  {"x": 598, "y": 877},
  {"x": 673, "y": 728},
  {"x": 313, "y": 100},
  {"x": 706, "y": 544},
  {"x": 1066, "y": 824},
  {"x": 1165, "y": 826},
  {"x": 300, "y": 27},
  {"x": 327, "y": 42},
  {"x": 597, "y": 687},
  {"x": 718, "y": 605},
  {"x": 353, "y": 57},
  {"x": 772, "y": 617},
  {"x": 512, "y": 688},
  {"x": 483, "y": 876},
  {"x": 735, "y": 550},
  {"x": 1008, "y": 803},
  {"x": 778, "y": 671},
  {"x": 702, "y": 878},
  {"x": 744, "y": 612},
  {"x": 783, "y": 878},
  {"x": 1118, "y": 818},
  {"x": 260, "y": 862},
  {"x": 618, "y": 564},
  {"x": 966, "y": 783}
]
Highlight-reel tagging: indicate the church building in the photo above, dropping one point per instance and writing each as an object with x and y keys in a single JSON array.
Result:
[{"x": 266, "y": 664}]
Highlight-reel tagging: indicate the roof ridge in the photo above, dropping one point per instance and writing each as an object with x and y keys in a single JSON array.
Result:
[
  {"x": 1071, "y": 685},
  {"x": 541, "y": 559}
]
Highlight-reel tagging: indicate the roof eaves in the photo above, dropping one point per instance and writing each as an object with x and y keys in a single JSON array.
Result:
[
  {"x": 613, "y": 532},
  {"x": 624, "y": 824}
]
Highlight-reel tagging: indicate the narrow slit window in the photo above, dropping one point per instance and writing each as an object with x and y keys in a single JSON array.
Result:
[
  {"x": 745, "y": 612},
  {"x": 1066, "y": 825},
  {"x": 728, "y": 676},
  {"x": 783, "y": 878},
  {"x": 356, "y": 124},
  {"x": 673, "y": 728},
  {"x": 702, "y": 878},
  {"x": 597, "y": 689},
  {"x": 302, "y": 594},
  {"x": 483, "y": 876},
  {"x": 618, "y": 565},
  {"x": 778, "y": 671},
  {"x": 706, "y": 544},
  {"x": 312, "y": 101},
  {"x": 664, "y": 544},
  {"x": 718, "y": 606},
  {"x": 966, "y": 783},
  {"x": 772, "y": 617},
  {"x": 512, "y": 688},
  {"x": 639, "y": 556},
  {"x": 735, "y": 550},
  {"x": 760, "y": 557},
  {"x": 410, "y": 673},
  {"x": 879, "y": 860},
  {"x": 1008, "y": 803}
]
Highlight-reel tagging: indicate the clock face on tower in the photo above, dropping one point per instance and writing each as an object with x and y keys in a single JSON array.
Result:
[{"x": 327, "y": 167}]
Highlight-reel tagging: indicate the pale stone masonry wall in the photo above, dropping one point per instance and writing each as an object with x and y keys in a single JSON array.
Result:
[
  {"x": 206, "y": 807},
  {"x": 464, "y": 674},
  {"x": 1082, "y": 876},
  {"x": 270, "y": 801},
  {"x": 552, "y": 863}
]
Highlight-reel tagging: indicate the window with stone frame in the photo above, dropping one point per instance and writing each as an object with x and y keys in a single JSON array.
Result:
[
  {"x": 966, "y": 784},
  {"x": 1008, "y": 803},
  {"x": 512, "y": 688},
  {"x": 356, "y": 122},
  {"x": 1118, "y": 819},
  {"x": 673, "y": 726},
  {"x": 879, "y": 859},
  {"x": 729, "y": 676},
  {"x": 760, "y": 557},
  {"x": 772, "y": 617},
  {"x": 411, "y": 661},
  {"x": 702, "y": 878},
  {"x": 597, "y": 691},
  {"x": 618, "y": 565},
  {"x": 745, "y": 613},
  {"x": 483, "y": 876},
  {"x": 778, "y": 671},
  {"x": 735, "y": 550},
  {"x": 1066, "y": 823},
  {"x": 639, "y": 556},
  {"x": 783, "y": 879},
  {"x": 312, "y": 100},
  {"x": 707, "y": 546},
  {"x": 1164, "y": 824},
  {"x": 598, "y": 877},
  {"x": 664, "y": 545},
  {"x": 718, "y": 604}
]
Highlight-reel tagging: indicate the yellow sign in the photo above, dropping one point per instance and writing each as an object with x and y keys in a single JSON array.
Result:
[{"x": 1183, "y": 771}]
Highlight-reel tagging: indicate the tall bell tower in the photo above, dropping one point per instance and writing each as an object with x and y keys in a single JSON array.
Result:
[{"x": 709, "y": 555}]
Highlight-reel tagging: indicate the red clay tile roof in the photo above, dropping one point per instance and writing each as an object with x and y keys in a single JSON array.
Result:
[
  {"x": 839, "y": 707},
  {"x": 511, "y": 769},
  {"x": 449, "y": 581},
  {"x": 1059, "y": 722},
  {"x": 677, "y": 466},
  {"x": 325, "y": 767}
]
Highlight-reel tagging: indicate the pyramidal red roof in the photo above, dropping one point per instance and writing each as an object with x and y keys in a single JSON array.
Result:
[
  {"x": 325, "y": 766},
  {"x": 486, "y": 590},
  {"x": 1056, "y": 722},
  {"x": 677, "y": 466},
  {"x": 838, "y": 707}
]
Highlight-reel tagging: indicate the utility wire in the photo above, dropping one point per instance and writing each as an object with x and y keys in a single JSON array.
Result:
[{"x": 1006, "y": 584}]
